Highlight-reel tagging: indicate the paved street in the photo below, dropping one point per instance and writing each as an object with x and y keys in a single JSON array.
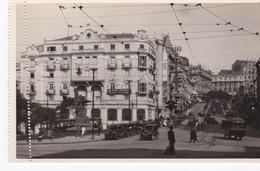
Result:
[{"x": 211, "y": 144}]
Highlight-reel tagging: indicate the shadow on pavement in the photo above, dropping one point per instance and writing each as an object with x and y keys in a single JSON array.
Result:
[{"x": 251, "y": 152}]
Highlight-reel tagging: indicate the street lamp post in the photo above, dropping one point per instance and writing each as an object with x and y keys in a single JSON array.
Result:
[{"x": 93, "y": 103}]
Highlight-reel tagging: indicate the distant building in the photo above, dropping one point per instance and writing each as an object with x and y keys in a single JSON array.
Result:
[
  {"x": 18, "y": 76},
  {"x": 201, "y": 78},
  {"x": 56, "y": 69},
  {"x": 238, "y": 79}
]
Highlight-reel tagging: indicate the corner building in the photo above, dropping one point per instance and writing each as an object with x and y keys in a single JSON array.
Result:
[{"x": 120, "y": 62}]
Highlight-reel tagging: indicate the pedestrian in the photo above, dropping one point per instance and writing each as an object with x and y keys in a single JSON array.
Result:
[
  {"x": 40, "y": 135},
  {"x": 193, "y": 135},
  {"x": 78, "y": 132},
  {"x": 83, "y": 131},
  {"x": 99, "y": 128},
  {"x": 170, "y": 150}
]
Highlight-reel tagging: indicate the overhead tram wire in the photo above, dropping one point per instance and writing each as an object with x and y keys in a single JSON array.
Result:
[
  {"x": 100, "y": 25},
  {"x": 68, "y": 26},
  {"x": 183, "y": 32},
  {"x": 131, "y": 14},
  {"x": 227, "y": 22}
]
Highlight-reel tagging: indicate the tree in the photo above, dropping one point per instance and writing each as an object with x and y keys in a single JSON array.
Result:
[
  {"x": 62, "y": 108},
  {"x": 218, "y": 95},
  {"x": 21, "y": 109}
]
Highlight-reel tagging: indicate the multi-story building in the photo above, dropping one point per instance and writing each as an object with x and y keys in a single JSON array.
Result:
[
  {"x": 18, "y": 76},
  {"x": 242, "y": 74},
  {"x": 119, "y": 63},
  {"x": 201, "y": 79}
]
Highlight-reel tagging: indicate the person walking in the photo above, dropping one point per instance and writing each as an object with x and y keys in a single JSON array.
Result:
[
  {"x": 78, "y": 131},
  {"x": 170, "y": 150},
  {"x": 83, "y": 130},
  {"x": 193, "y": 135}
]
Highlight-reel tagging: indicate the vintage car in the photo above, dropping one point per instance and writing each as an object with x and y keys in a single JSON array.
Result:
[
  {"x": 236, "y": 129},
  {"x": 226, "y": 122},
  {"x": 149, "y": 132},
  {"x": 212, "y": 120},
  {"x": 192, "y": 121},
  {"x": 114, "y": 131}
]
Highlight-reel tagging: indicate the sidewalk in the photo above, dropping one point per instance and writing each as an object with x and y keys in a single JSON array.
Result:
[{"x": 64, "y": 140}]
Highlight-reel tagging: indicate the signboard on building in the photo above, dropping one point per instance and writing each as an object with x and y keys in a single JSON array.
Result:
[
  {"x": 165, "y": 65},
  {"x": 118, "y": 91}
]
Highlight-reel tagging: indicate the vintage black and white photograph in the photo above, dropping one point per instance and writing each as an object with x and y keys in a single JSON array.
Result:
[{"x": 137, "y": 81}]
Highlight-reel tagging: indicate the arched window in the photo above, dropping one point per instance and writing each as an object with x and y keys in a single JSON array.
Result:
[
  {"x": 126, "y": 114},
  {"x": 140, "y": 114},
  {"x": 112, "y": 115}
]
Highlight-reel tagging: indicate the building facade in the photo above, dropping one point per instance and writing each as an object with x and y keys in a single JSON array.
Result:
[
  {"x": 201, "y": 78},
  {"x": 241, "y": 77},
  {"x": 100, "y": 67}
]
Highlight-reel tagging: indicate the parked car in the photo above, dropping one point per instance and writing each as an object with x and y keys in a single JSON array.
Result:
[
  {"x": 150, "y": 132},
  {"x": 114, "y": 131},
  {"x": 212, "y": 120},
  {"x": 236, "y": 129},
  {"x": 226, "y": 123}
]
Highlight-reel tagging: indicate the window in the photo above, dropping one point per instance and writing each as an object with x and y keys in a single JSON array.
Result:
[
  {"x": 95, "y": 113},
  {"x": 112, "y": 73},
  {"x": 51, "y": 98},
  {"x": 111, "y": 114},
  {"x": 141, "y": 46},
  {"x": 112, "y": 46},
  {"x": 94, "y": 60},
  {"x": 127, "y": 97},
  {"x": 32, "y": 75},
  {"x": 127, "y": 46},
  {"x": 126, "y": 85},
  {"x": 126, "y": 114},
  {"x": 127, "y": 73},
  {"x": 112, "y": 86},
  {"x": 51, "y": 48},
  {"x": 65, "y": 48},
  {"x": 81, "y": 47},
  {"x": 51, "y": 59},
  {"x": 140, "y": 114},
  {"x": 32, "y": 88},
  {"x": 51, "y": 75},
  {"x": 87, "y": 60},
  {"x": 95, "y": 46},
  {"x": 142, "y": 88},
  {"x": 51, "y": 87},
  {"x": 112, "y": 59},
  {"x": 142, "y": 61},
  {"x": 65, "y": 87}
]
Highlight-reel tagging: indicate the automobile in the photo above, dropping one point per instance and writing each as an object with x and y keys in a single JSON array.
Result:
[
  {"x": 114, "y": 131},
  {"x": 192, "y": 121},
  {"x": 236, "y": 129},
  {"x": 127, "y": 129},
  {"x": 212, "y": 120},
  {"x": 149, "y": 132},
  {"x": 226, "y": 122}
]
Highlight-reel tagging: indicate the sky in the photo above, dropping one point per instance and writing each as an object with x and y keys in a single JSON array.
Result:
[{"x": 211, "y": 42}]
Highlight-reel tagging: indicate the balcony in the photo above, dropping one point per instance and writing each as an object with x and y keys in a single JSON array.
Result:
[
  {"x": 142, "y": 67},
  {"x": 50, "y": 67},
  {"x": 32, "y": 92},
  {"x": 64, "y": 92},
  {"x": 50, "y": 92},
  {"x": 126, "y": 65},
  {"x": 142, "y": 50},
  {"x": 112, "y": 65},
  {"x": 64, "y": 66},
  {"x": 88, "y": 50}
]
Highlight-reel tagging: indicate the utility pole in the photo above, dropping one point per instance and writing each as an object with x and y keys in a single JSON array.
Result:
[
  {"x": 258, "y": 93},
  {"x": 93, "y": 102},
  {"x": 129, "y": 102}
]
